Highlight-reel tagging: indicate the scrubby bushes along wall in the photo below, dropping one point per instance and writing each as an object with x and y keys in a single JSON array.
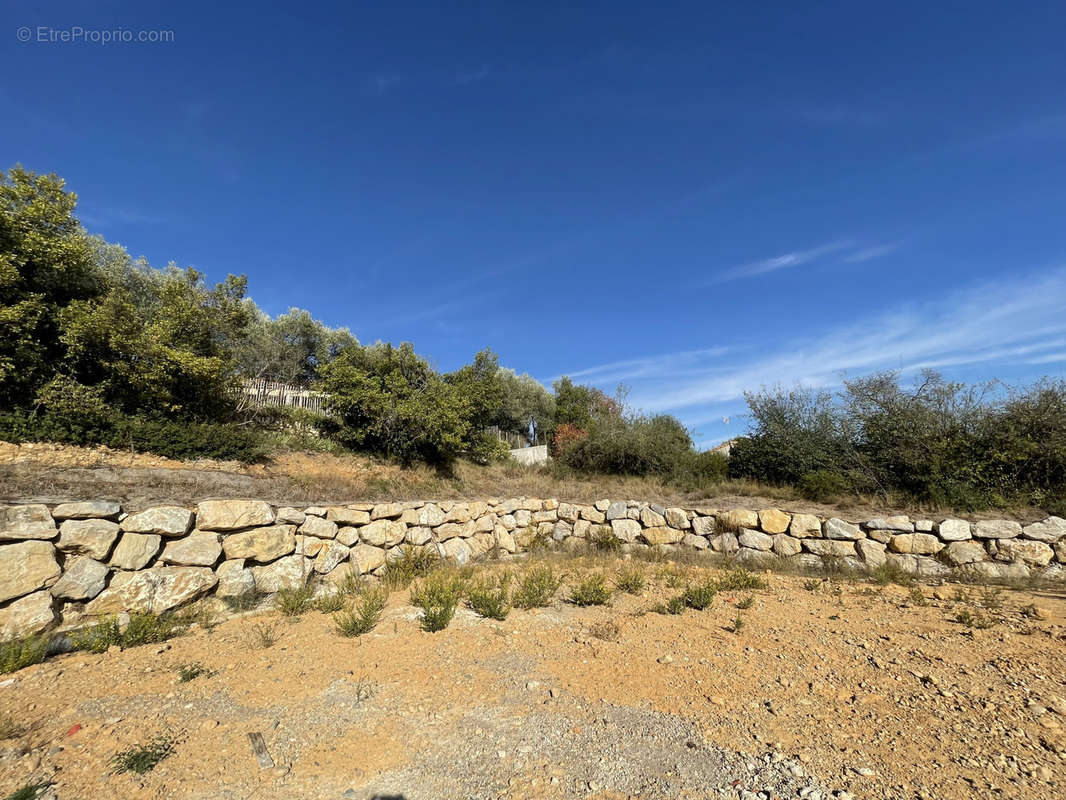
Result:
[{"x": 941, "y": 442}]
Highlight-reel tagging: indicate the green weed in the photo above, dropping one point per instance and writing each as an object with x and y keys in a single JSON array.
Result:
[
  {"x": 537, "y": 587},
  {"x": 700, "y": 596},
  {"x": 740, "y": 578},
  {"x": 293, "y": 602},
  {"x": 412, "y": 563},
  {"x": 675, "y": 605},
  {"x": 630, "y": 579},
  {"x": 490, "y": 597},
  {"x": 190, "y": 672},
  {"x": 144, "y": 758},
  {"x": 18, "y": 653},
  {"x": 365, "y": 614},
  {"x": 592, "y": 591},
  {"x": 438, "y": 596},
  {"x": 330, "y": 603}
]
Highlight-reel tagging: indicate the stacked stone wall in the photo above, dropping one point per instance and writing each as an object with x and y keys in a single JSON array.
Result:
[{"x": 67, "y": 564}]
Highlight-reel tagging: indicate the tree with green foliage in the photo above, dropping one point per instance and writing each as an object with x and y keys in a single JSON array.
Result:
[
  {"x": 576, "y": 404},
  {"x": 289, "y": 348},
  {"x": 526, "y": 408},
  {"x": 481, "y": 385},
  {"x": 388, "y": 400},
  {"x": 172, "y": 355},
  {"x": 45, "y": 265},
  {"x": 793, "y": 434}
]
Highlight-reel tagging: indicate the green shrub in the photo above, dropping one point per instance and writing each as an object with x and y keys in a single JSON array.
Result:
[
  {"x": 29, "y": 791},
  {"x": 97, "y": 638},
  {"x": 169, "y": 438},
  {"x": 330, "y": 602},
  {"x": 537, "y": 587},
  {"x": 949, "y": 444},
  {"x": 143, "y": 758},
  {"x": 190, "y": 672},
  {"x": 491, "y": 597},
  {"x": 697, "y": 471},
  {"x": 700, "y": 596},
  {"x": 142, "y": 629},
  {"x": 592, "y": 591},
  {"x": 18, "y": 653},
  {"x": 388, "y": 400},
  {"x": 739, "y": 578},
  {"x": 293, "y": 602},
  {"x": 246, "y": 601},
  {"x": 262, "y": 635},
  {"x": 675, "y": 605},
  {"x": 630, "y": 579},
  {"x": 604, "y": 540},
  {"x": 890, "y": 573},
  {"x": 973, "y": 619},
  {"x": 621, "y": 443},
  {"x": 10, "y": 728},
  {"x": 412, "y": 562},
  {"x": 352, "y": 583},
  {"x": 365, "y": 614},
  {"x": 823, "y": 485},
  {"x": 152, "y": 629},
  {"x": 438, "y": 596}
]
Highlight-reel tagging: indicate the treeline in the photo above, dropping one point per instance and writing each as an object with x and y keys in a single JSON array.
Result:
[
  {"x": 99, "y": 347},
  {"x": 947, "y": 444},
  {"x": 102, "y": 348}
]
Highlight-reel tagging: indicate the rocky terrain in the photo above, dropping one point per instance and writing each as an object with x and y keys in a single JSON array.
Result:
[
  {"x": 70, "y": 563},
  {"x": 826, "y": 689}
]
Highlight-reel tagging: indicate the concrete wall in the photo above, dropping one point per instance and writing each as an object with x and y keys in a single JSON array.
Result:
[{"x": 531, "y": 455}]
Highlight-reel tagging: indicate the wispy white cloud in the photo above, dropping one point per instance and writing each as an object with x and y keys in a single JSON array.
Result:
[
  {"x": 636, "y": 368},
  {"x": 870, "y": 253},
  {"x": 1050, "y": 358},
  {"x": 995, "y": 323},
  {"x": 785, "y": 261},
  {"x": 851, "y": 253}
]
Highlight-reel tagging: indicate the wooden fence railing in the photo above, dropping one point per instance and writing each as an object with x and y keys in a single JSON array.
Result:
[{"x": 261, "y": 392}]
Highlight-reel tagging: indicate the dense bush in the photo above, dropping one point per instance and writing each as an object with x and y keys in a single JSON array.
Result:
[
  {"x": 388, "y": 400},
  {"x": 631, "y": 445},
  {"x": 948, "y": 443},
  {"x": 168, "y": 438}
]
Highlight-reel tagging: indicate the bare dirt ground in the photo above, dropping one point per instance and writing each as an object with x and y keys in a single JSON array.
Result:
[
  {"x": 55, "y": 473},
  {"x": 833, "y": 690}
]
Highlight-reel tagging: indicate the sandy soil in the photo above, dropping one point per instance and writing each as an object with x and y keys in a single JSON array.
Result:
[{"x": 850, "y": 688}]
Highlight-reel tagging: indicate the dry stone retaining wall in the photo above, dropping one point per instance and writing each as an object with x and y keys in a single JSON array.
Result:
[{"x": 65, "y": 565}]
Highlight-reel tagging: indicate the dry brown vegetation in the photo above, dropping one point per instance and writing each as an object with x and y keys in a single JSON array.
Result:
[{"x": 51, "y": 472}]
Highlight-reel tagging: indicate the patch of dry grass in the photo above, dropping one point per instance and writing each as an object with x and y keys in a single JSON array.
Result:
[{"x": 59, "y": 472}]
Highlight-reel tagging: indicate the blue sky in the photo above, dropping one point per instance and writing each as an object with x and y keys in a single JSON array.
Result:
[{"x": 691, "y": 199}]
